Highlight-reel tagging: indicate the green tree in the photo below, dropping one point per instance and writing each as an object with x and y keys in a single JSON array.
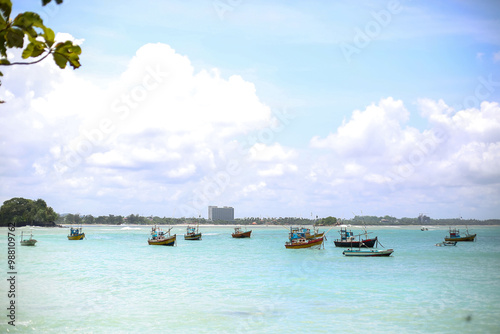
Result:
[
  {"x": 73, "y": 219},
  {"x": 29, "y": 25},
  {"x": 88, "y": 219},
  {"x": 22, "y": 211},
  {"x": 328, "y": 221}
]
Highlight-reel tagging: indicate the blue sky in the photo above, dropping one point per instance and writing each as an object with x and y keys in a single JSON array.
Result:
[{"x": 391, "y": 107}]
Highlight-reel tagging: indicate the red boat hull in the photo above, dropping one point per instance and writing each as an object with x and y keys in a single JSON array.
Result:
[{"x": 242, "y": 234}]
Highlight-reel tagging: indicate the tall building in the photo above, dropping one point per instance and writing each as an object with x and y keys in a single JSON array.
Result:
[{"x": 225, "y": 213}]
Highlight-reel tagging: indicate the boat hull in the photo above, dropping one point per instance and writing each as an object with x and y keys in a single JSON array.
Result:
[
  {"x": 308, "y": 244},
  {"x": 242, "y": 234},
  {"x": 170, "y": 241},
  {"x": 76, "y": 237},
  {"x": 467, "y": 238},
  {"x": 447, "y": 243},
  {"x": 369, "y": 243},
  {"x": 30, "y": 242},
  {"x": 316, "y": 236},
  {"x": 196, "y": 236},
  {"x": 367, "y": 252}
]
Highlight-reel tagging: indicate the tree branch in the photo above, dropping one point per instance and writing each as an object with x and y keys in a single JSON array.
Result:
[{"x": 33, "y": 62}]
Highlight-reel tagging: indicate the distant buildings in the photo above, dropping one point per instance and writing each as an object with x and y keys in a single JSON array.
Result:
[{"x": 225, "y": 213}]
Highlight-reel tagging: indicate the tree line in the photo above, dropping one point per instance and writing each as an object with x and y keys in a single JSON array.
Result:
[{"x": 22, "y": 212}]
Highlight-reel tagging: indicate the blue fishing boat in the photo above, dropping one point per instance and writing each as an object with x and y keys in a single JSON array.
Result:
[
  {"x": 192, "y": 233},
  {"x": 76, "y": 233},
  {"x": 161, "y": 238},
  {"x": 301, "y": 238}
]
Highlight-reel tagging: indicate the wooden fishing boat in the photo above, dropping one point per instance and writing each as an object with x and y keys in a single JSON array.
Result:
[
  {"x": 238, "y": 233},
  {"x": 447, "y": 243},
  {"x": 316, "y": 235},
  {"x": 192, "y": 233},
  {"x": 368, "y": 252},
  {"x": 28, "y": 242},
  {"x": 306, "y": 233},
  {"x": 455, "y": 236},
  {"x": 304, "y": 243},
  {"x": 298, "y": 238},
  {"x": 348, "y": 239},
  {"x": 161, "y": 238},
  {"x": 303, "y": 232},
  {"x": 76, "y": 233}
]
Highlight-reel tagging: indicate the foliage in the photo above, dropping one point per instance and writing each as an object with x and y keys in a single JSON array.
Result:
[
  {"x": 41, "y": 39},
  {"x": 21, "y": 211},
  {"x": 72, "y": 219},
  {"x": 328, "y": 221}
]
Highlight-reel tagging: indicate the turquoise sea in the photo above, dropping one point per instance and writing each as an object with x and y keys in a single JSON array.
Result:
[{"x": 114, "y": 282}]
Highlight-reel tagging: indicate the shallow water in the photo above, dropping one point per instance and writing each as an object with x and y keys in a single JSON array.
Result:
[{"x": 114, "y": 282}]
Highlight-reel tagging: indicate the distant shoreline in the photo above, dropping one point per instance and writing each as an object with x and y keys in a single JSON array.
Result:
[
  {"x": 282, "y": 226},
  {"x": 266, "y": 225}
]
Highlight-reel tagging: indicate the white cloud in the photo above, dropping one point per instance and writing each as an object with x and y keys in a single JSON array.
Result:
[
  {"x": 262, "y": 152},
  {"x": 373, "y": 132},
  {"x": 254, "y": 188},
  {"x": 374, "y": 156},
  {"x": 163, "y": 133},
  {"x": 63, "y": 37},
  {"x": 278, "y": 170},
  {"x": 158, "y": 124},
  {"x": 183, "y": 171}
]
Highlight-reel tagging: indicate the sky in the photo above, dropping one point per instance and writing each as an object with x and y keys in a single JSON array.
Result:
[{"x": 276, "y": 108}]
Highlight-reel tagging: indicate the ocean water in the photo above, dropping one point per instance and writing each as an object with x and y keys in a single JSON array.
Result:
[{"x": 114, "y": 282}]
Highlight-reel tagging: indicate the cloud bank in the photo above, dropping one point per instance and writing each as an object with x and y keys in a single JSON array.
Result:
[{"x": 165, "y": 140}]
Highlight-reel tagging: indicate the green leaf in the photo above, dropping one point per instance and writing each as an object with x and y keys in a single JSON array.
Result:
[
  {"x": 15, "y": 38},
  {"x": 44, "y": 2},
  {"x": 3, "y": 23},
  {"x": 38, "y": 49},
  {"x": 60, "y": 60},
  {"x": 28, "y": 20},
  {"x": 4, "y": 62},
  {"x": 49, "y": 36},
  {"x": 3, "y": 48},
  {"x": 5, "y": 8},
  {"x": 34, "y": 49},
  {"x": 28, "y": 51},
  {"x": 69, "y": 52}
]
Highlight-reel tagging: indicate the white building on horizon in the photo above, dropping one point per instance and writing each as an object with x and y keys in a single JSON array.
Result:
[{"x": 225, "y": 213}]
